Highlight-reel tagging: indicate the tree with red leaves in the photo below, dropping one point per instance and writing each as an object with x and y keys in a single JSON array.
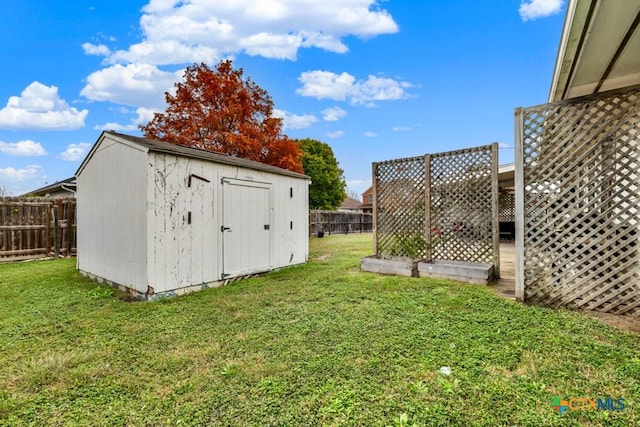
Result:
[{"x": 219, "y": 110}]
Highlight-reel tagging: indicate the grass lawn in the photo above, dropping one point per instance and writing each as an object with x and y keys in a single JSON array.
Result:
[{"x": 318, "y": 344}]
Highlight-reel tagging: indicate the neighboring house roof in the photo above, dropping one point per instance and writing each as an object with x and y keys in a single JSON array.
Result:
[
  {"x": 350, "y": 204},
  {"x": 181, "y": 150},
  {"x": 66, "y": 186},
  {"x": 598, "y": 49}
]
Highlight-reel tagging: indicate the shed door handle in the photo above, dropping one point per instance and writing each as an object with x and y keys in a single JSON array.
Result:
[{"x": 223, "y": 228}]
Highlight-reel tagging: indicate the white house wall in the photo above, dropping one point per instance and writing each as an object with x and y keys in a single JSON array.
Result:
[
  {"x": 112, "y": 215},
  {"x": 182, "y": 254}
]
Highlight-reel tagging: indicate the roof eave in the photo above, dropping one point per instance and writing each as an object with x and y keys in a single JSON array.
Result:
[{"x": 573, "y": 30}]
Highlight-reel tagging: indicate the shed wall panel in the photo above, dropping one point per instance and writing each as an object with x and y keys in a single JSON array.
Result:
[
  {"x": 289, "y": 215},
  {"x": 111, "y": 194},
  {"x": 184, "y": 254},
  {"x": 183, "y": 221}
]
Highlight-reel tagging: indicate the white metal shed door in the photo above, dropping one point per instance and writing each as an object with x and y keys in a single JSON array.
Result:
[{"x": 246, "y": 227}]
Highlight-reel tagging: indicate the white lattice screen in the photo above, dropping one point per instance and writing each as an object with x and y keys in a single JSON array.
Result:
[{"x": 580, "y": 187}]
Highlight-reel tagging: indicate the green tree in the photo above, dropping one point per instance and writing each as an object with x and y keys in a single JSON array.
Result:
[{"x": 328, "y": 188}]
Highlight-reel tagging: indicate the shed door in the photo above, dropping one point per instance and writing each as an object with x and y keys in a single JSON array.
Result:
[{"x": 246, "y": 227}]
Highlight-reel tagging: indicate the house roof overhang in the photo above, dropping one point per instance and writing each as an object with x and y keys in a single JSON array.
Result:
[
  {"x": 67, "y": 184},
  {"x": 599, "y": 49}
]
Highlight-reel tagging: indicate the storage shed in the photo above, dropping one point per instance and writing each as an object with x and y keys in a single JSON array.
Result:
[{"x": 161, "y": 219}]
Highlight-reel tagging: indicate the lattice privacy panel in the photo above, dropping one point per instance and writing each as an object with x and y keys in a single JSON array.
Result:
[
  {"x": 400, "y": 193},
  {"x": 507, "y": 204},
  {"x": 461, "y": 205},
  {"x": 456, "y": 223},
  {"x": 581, "y": 205}
]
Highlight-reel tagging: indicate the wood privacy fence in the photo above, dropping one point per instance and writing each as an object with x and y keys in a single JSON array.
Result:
[
  {"x": 33, "y": 227},
  {"x": 439, "y": 206},
  {"x": 338, "y": 222},
  {"x": 577, "y": 203}
]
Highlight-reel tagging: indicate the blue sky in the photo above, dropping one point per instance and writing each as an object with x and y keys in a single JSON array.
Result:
[{"x": 376, "y": 80}]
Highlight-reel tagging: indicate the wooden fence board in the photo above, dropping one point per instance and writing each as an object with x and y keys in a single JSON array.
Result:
[
  {"x": 339, "y": 222},
  {"x": 36, "y": 227}
]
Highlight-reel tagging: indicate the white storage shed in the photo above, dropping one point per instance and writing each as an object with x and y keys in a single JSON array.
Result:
[{"x": 161, "y": 219}]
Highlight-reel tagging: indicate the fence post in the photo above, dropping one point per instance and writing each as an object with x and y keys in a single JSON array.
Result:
[
  {"x": 70, "y": 220},
  {"x": 56, "y": 249},
  {"x": 427, "y": 207},
  {"x": 519, "y": 196},
  {"x": 47, "y": 230},
  {"x": 495, "y": 209},
  {"x": 374, "y": 207}
]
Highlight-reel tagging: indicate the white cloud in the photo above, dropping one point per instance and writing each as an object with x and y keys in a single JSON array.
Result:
[
  {"x": 17, "y": 181},
  {"x": 140, "y": 85},
  {"x": 370, "y": 134},
  {"x": 336, "y": 134},
  {"x": 401, "y": 128},
  {"x": 143, "y": 116},
  {"x": 358, "y": 185},
  {"x": 20, "y": 175},
  {"x": 325, "y": 84},
  {"x": 333, "y": 114},
  {"x": 99, "y": 50},
  {"x": 379, "y": 89},
  {"x": 534, "y": 9},
  {"x": 295, "y": 121},
  {"x": 75, "y": 152},
  {"x": 342, "y": 87},
  {"x": 22, "y": 148},
  {"x": 39, "y": 107},
  {"x": 177, "y": 32}
]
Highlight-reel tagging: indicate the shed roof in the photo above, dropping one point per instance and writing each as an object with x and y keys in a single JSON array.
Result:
[
  {"x": 152, "y": 145},
  {"x": 598, "y": 50}
]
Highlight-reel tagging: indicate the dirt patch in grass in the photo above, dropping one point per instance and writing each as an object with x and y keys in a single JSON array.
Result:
[{"x": 625, "y": 323}]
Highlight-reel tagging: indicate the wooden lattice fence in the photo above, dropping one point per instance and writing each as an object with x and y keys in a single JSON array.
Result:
[
  {"x": 464, "y": 205},
  {"x": 507, "y": 208},
  {"x": 577, "y": 181},
  {"x": 36, "y": 227},
  {"x": 399, "y": 208},
  {"x": 438, "y": 207},
  {"x": 339, "y": 222}
]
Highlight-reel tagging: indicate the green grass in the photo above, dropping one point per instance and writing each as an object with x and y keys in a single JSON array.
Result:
[{"x": 318, "y": 344}]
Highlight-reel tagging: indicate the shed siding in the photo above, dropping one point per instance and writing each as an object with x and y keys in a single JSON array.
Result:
[
  {"x": 112, "y": 215},
  {"x": 288, "y": 246},
  {"x": 290, "y": 221},
  {"x": 183, "y": 254}
]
